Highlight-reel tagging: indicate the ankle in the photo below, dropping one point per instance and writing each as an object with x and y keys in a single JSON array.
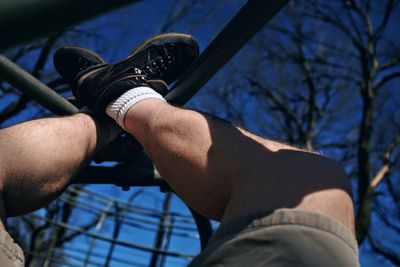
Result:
[
  {"x": 118, "y": 108},
  {"x": 144, "y": 117}
]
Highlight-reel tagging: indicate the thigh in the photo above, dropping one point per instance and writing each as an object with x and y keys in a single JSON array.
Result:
[{"x": 291, "y": 178}]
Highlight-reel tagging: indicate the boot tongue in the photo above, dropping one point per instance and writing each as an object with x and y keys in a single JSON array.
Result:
[{"x": 159, "y": 86}]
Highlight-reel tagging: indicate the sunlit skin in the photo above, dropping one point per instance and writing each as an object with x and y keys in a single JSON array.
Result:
[
  {"x": 225, "y": 172},
  {"x": 221, "y": 171},
  {"x": 38, "y": 159}
]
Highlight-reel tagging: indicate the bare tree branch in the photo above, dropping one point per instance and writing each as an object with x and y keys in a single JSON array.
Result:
[
  {"x": 386, "y": 79},
  {"x": 364, "y": 215},
  {"x": 385, "y": 19},
  {"x": 278, "y": 103},
  {"x": 387, "y": 253}
]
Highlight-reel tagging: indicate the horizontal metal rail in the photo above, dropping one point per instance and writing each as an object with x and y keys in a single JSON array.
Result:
[
  {"x": 111, "y": 240},
  {"x": 121, "y": 175}
]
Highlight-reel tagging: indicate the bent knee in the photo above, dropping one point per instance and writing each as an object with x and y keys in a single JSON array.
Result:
[
  {"x": 325, "y": 173},
  {"x": 332, "y": 195},
  {"x": 299, "y": 180}
]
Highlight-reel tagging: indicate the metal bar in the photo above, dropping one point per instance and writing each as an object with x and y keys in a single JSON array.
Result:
[
  {"x": 119, "y": 175},
  {"x": 204, "y": 228},
  {"x": 154, "y": 259},
  {"x": 99, "y": 226},
  {"x": 50, "y": 251},
  {"x": 168, "y": 236},
  {"x": 248, "y": 21},
  {"x": 111, "y": 240},
  {"x": 22, "y": 20},
  {"x": 117, "y": 228},
  {"x": 33, "y": 88}
]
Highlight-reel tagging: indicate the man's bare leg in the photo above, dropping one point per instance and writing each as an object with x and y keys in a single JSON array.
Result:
[
  {"x": 38, "y": 159},
  {"x": 221, "y": 171},
  {"x": 225, "y": 172}
]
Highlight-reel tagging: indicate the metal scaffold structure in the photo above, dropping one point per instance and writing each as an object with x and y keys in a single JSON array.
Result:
[
  {"x": 94, "y": 237},
  {"x": 20, "y": 26}
]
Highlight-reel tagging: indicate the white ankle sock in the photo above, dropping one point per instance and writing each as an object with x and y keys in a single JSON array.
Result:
[{"x": 118, "y": 108}]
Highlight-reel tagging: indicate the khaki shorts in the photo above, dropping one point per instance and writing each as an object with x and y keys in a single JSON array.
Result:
[
  {"x": 11, "y": 254},
  {"x": 281, "y": 238}
]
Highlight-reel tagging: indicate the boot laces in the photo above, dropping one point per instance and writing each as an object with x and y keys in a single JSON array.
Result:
[{"x": 160, "y": 65}]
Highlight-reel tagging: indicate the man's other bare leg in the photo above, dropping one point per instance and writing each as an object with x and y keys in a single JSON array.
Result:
[
  {"x": 38, "y": 159},
  {"x": 225, "y": 172}
]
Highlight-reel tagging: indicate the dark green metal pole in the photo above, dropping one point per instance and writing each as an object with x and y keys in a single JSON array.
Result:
[
  {"x": 33, "y": 88},
  {"x": 22, "y": 20},
  {"x": 248, "y": 21}
]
